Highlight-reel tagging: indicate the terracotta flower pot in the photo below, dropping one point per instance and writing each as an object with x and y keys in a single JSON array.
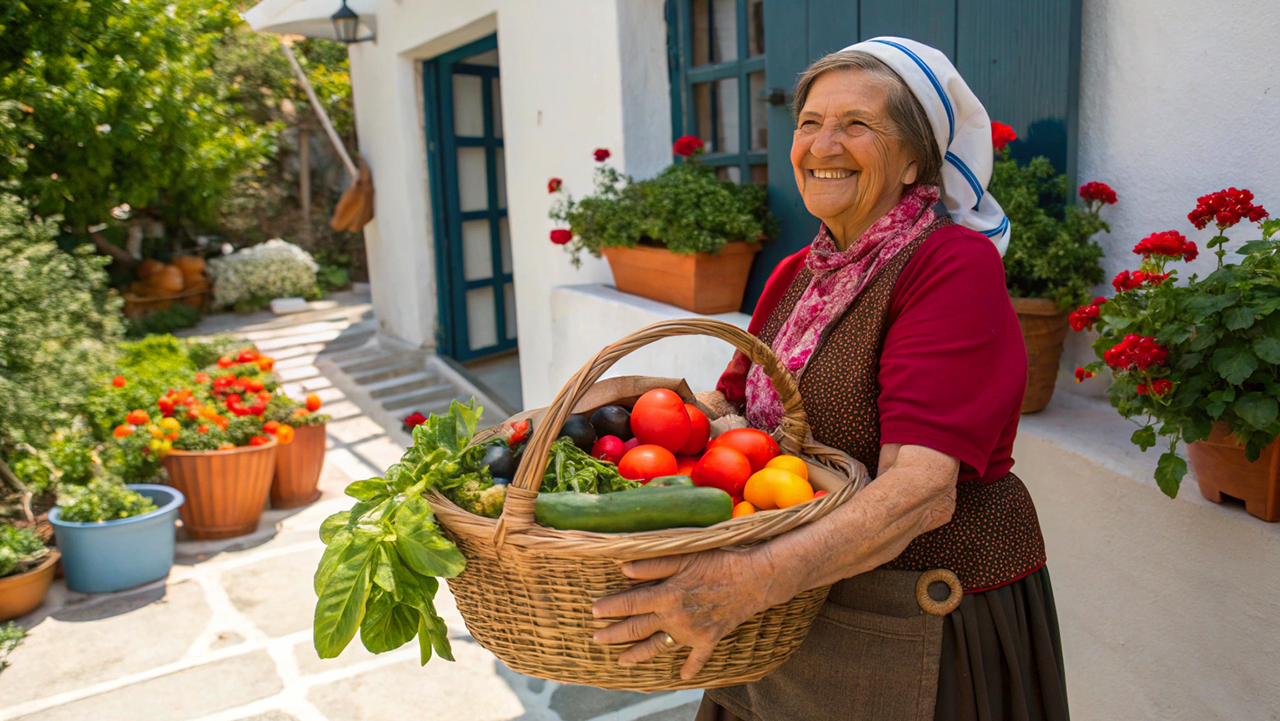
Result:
[
  {"x": 298, "y": 468},
  {"x": 698, "y": 282},
  {"x": 225, "y": 490},
  {"x": 1222, "y": 470},
  {"x": 1044, "y": 329},
  {"x": 22, "y": 594}
]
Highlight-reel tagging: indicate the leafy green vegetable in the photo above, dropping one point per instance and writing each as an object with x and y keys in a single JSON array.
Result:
[
  {"x": 572, "y": 469},
  {"x": 382, "y": 557}
]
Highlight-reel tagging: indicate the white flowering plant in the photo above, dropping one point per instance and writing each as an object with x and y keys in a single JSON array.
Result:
[{"x": 251, "y": 278}]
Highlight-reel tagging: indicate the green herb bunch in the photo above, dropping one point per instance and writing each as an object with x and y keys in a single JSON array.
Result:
[
  {"x": 572, "y": 469},
  {"x": 383, "y": 557},
  {"x": 1185, "y": 356},
  {"x": 20, "y": 550},
  {"x": 686, "y": 208},
  {"x": 1051, "y": 251},
  {"x": 102, "y": 500}
]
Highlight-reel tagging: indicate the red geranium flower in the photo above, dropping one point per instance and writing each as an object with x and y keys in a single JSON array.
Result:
[
  {"x": 1225, "y": 208},
  {"x": 1135, "y": 351},
  {"x": 560, "y": 236},
  {"x": 202, "y": 378},
  {"x": 1142, "y": 389},
  {"x": 1170, "y": 243},
  {"x": 1082, "y": 375},
  {"x": 602, "y": 154},
  {"x": 1131, "y": 280},
  {"x": 687, "y": 145},
  {"x": 554, "y": 184},
  {"x": 119, "y": 382},
  {"x": 413, "y": 420},
  {"x": 1160, "y": 386},
  {"x": 1190, "y": 251},
  {"x": 1084, "y": 317},
  {"x": 1098, "y": 192},
  {"x": 1001, "y": 135}
]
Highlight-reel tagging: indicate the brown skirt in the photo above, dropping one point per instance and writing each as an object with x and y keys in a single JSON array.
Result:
[{"x": 1001, "y": 659}]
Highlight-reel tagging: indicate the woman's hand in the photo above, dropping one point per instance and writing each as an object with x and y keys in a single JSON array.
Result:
[{"x": 706, "y": 595}]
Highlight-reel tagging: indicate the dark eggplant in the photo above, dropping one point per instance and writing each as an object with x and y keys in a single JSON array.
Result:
[
  {"x": 613, "y": 421},
  {"x": 500, "y": 460},
  {"x": 580, "y": 430}
]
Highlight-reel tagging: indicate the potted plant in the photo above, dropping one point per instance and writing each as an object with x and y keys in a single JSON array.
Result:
[
  {"x": 26, "y": 570},
  {"x": 300, "y": 430},
  {"x": 1052, "y": 261},
  {"x": 1200, "y": 362},
  {"x": 114, "y": 536},
  {"x": 684, "y": 237},
  {"x": 212, "y": 441}
]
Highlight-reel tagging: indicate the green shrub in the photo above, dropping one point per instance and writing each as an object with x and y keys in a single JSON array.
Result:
[
  {"x": 1051, "y": 251},
  {"x": 102, "y": 500},
  {"x": 206, "y": 351},
  {"x": 58, "y": 322},
  {"x": 168, "y": 320},
  {"x": 685, "y": 208},
  {"x": 20, "y": 550}
]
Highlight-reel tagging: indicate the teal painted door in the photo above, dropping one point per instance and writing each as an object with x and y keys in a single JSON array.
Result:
[
  {"x": 1021, "y": 58},
  {"x": 467, "y": 168}
]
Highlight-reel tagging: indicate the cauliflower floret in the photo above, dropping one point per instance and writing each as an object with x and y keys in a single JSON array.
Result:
[
  {"x": 491, "y": 500},
  {"x": 480, "y": 497}
]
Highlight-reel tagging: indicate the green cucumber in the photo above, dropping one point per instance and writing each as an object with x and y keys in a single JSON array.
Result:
[
  {"x": 669, "y": 481},
  {"x": 637, "y": 509}
]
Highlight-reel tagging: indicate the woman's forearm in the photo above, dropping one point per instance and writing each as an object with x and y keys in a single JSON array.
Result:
[{"x": 914, "y": 495}]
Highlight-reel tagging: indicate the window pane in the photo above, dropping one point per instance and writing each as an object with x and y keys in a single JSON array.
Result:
[
  {"x": 716, "y": 107},
  {"x": 504, "y": 233},
  {"x": 729, "y": 172},
  {"x": 497, "y": 107},
  {"x": 482, "y": 320},
  {"x": 477, "y": 252},
  {"x": 759, "y": 112},
  {"x": 760, "y": 174},
  {"x": 755, "y": 28},
  {"x": 473, "y": 180},
  {"x": 509, "y": 301},
  {"x": 489, "y": 58},
  {"x": 468, "y": 106},
  {"x": 714, "y": 31},
  {"x": 500, "y": 163}
]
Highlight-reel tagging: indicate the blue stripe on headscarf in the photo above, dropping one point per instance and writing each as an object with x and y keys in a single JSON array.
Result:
[
  {"x": 946, "y": 102},
  {"x": 996, "y": 231},
  {"x": 968, "y": 175}
]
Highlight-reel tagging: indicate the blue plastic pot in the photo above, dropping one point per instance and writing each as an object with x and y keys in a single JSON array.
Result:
[{"x": 120, "y": 554}]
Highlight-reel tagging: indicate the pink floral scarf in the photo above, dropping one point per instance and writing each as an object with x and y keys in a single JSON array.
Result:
[{"x": 838, "y": 279}]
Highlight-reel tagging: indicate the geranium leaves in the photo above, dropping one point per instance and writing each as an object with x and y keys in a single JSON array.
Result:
[
  {"x": 1257, "y": 410},
  {"x": 1268, "y": 349},
  {"x": 1234, "y": 363},
  {"x": 1169, "y": 472}
]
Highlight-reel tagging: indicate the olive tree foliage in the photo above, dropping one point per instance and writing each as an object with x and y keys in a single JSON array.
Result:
[
  {"x": 58, "y": 327},
  {"x": 118, "y": 102}
]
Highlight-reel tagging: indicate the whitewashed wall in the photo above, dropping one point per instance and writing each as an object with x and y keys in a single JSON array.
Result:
[
  {"x": 576, "y": 75},
  {"x": 1177, "y": 99}
]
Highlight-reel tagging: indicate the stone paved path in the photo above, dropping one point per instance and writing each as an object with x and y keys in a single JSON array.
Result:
[{"x": 227, "y": 637}]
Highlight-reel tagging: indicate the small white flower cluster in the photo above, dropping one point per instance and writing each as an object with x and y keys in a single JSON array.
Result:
[{"x": 274, "y": 269}]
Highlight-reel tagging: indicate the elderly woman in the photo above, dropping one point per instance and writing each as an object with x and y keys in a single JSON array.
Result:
[{"x": 909, "y": 358}]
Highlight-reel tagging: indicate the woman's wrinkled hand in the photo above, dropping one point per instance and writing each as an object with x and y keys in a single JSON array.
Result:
[{"x": 704, "y": 597}]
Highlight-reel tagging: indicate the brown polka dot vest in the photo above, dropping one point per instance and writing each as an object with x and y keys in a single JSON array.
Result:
[{"x": 994, "y": 536}]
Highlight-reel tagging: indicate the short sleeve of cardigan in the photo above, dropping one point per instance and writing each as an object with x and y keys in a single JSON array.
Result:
[{"x": 953, "y": 370}]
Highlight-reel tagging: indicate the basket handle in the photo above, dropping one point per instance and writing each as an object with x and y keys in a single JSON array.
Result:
[{"x": 518, "y": 509}]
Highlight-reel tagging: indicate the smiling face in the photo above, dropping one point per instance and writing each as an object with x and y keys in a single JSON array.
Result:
[{"x": 850, "y": 165}]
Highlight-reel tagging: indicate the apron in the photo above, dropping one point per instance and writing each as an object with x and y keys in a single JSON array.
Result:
[{"x": 874, "y": 650}]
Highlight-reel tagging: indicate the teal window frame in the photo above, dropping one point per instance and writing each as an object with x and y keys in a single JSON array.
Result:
[{"x": 683, "y": 77}]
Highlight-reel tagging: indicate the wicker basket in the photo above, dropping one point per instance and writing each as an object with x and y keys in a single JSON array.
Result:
[{"x": 527, "y": 590}]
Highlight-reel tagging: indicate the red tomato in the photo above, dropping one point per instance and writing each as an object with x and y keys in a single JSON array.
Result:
[
  {"x": 659, "y": 418},
  {"x": 724, "y": 468},
  {"x": 758, "y": 446},
  {"x": 699, "y": 431},
  {"x": 819, "y": 494},
  {"x": 685, "y": 464},
  {"x": 647, "y": 462}
]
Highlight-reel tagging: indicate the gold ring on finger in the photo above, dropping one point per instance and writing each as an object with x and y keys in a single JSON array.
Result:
[{"x": 668, "y": 642}]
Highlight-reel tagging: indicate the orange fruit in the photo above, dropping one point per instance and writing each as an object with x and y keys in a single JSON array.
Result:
[
  {"x": 790, "y": 463},
  {"x": 771, "y": 488},
  {"x": 793, "y": 493},
  {"x": 743, "y": 509}
]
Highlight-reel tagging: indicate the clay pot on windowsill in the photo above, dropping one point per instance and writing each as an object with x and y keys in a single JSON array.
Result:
[
  {"x": 298, "y": 467},
  {"x": 1044, "y": 330},
  {"x": 703, "y": 283},
  {"x": 22, "y": 593},
  {"x": 225, "y": 490},
  {"x": 1222, "y": 470}
]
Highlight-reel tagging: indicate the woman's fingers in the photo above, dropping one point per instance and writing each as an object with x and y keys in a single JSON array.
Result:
[
  {"x": 655, "y": 645},
  {"x": 635, "y": 602},
  {"x": 632, "y": 629},
  {"x": 652, "y": 569},
  {"x": 698, "y": 658}
]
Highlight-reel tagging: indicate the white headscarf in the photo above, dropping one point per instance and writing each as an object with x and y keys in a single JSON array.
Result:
[{"x": 961, "y": 127}]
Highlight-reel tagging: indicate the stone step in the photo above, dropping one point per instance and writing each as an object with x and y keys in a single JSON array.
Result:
[
  {"x": 406, "y": 366},
  {"x": 402, "y": 384},
  {"x": 353, "y": 355},
  {"x": 423, "y": 400},
  {"x": 348, "y": 340},
  {"x": 381, "y": 360}
]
